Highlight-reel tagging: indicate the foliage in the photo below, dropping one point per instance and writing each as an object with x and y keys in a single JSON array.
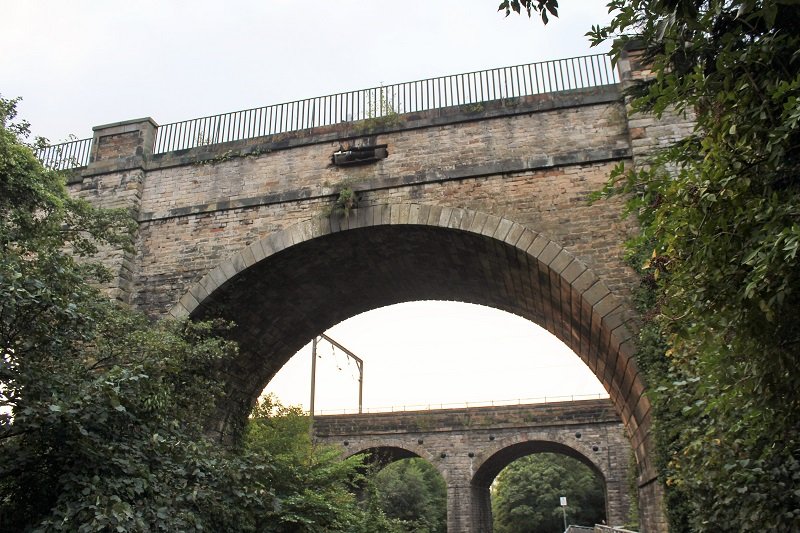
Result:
[
  {"x": 413, "y": 491},
  {"x": 720, "y": 219},
  {"x": 103, "y": 413},
  {"x": 37, "y": 213},
  {"x": 313, "y": 488},
  {"x": 283, "y": 430},
  {"x": 542, "y": 7},
  {"x": 381, "y": 112},
  {"x": 525, "y": 495},
  {"x": 346, "y": 201}
]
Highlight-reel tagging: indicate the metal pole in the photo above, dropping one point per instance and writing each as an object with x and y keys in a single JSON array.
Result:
[
  {"x": 313, "y": 375},
  {"x": 360, "y": 388},
  {"x": 359, "y": 364}
]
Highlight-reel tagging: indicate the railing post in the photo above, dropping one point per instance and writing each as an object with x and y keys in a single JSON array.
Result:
[
  {"x": 116, "y": 174},
  {"x": 122, "y": 145}
]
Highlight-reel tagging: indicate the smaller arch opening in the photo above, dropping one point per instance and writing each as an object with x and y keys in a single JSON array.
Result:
[
  {"x": 493, "y": 465},
  {"x": 382, "y": 456},
  {"x": 526, "y": 495},
  {"x": 412, "y": 490},
  {"x": 404, "y": 486}
]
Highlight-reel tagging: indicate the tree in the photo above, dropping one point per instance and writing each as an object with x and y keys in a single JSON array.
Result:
[
  {"x": 103, "y": 413},
  {"x": 720, "y": 228},
  {"x": 412, "y": 490},
  {"x": 525, "y": 495},
  {"x": 542, "y": 7},
  {"x": 313, "y": 489},
  {"x": 283, "y": 430}
]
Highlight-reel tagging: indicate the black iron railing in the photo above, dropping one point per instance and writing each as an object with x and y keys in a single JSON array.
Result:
[
  {"x": 71, "y": 154},
  {"x": 383, "y": 102}
]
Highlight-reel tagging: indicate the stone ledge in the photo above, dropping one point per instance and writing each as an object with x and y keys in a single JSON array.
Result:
[
  {"x": 111, "y": 166},
  {"x": 555, "y": 414},
  {"x": 125, "y": 126},
  {"x": 506, "y": 166}
]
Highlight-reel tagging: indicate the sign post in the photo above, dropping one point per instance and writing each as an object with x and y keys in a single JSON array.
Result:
[{"x": 564, "y": 510}]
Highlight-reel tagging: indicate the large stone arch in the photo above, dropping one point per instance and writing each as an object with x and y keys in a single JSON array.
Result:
[{"x": 295, "y": 283}]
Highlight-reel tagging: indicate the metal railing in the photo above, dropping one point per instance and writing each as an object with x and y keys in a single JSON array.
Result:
[
  {"x": 611, "y": 529},
  {"x": 579, "y": 529},
  {"x": 387, "y": 101},
  {"x": 71, "y": 154},
  {"x": 460, "y": 405}
]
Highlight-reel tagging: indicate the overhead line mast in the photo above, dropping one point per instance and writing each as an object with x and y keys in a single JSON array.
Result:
[{"x": 354, "y": 357}]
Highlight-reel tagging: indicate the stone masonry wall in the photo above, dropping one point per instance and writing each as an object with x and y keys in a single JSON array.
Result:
[
  {"x": 174, "y": 252},
  {"x": 470, "y": 446},
  {"x": 536, "y": 168},
  {"x": 648, "y": 133}
]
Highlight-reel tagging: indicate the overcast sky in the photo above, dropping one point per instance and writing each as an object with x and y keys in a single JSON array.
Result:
[{"x": 81, "y": 64}]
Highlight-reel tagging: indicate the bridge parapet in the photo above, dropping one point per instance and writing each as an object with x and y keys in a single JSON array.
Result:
[
  {"x": 377, "y": 106},
  {"x": 468, "y": 418}
]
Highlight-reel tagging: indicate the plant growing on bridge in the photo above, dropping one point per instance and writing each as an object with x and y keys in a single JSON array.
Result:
[
  {"x": 381, "y": 112},
  {"x": 346, "y": 200},
  {"x": 720, "y": 220}
]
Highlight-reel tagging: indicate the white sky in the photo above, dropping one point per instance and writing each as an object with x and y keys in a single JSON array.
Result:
[
  {"x": 424, "y": 354},
  {"x": 85, "y": 63}
]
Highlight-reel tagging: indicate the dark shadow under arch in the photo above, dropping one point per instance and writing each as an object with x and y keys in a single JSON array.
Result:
[{"x": 381, "y": 456}]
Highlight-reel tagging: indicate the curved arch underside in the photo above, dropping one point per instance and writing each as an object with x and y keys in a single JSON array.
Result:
[
  {"x": 293, "y": 285},
  {"x": 493, "y": 465}
]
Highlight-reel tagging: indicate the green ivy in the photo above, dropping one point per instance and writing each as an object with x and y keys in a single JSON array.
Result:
[
  {"x": 719, "y": 214},
  {"x": 720, "y": 219}
]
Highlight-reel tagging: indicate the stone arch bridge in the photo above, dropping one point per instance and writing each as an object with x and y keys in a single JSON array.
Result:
[
  {"x": 289, "y": 219},
  {"x": 470, "y": 446}
]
